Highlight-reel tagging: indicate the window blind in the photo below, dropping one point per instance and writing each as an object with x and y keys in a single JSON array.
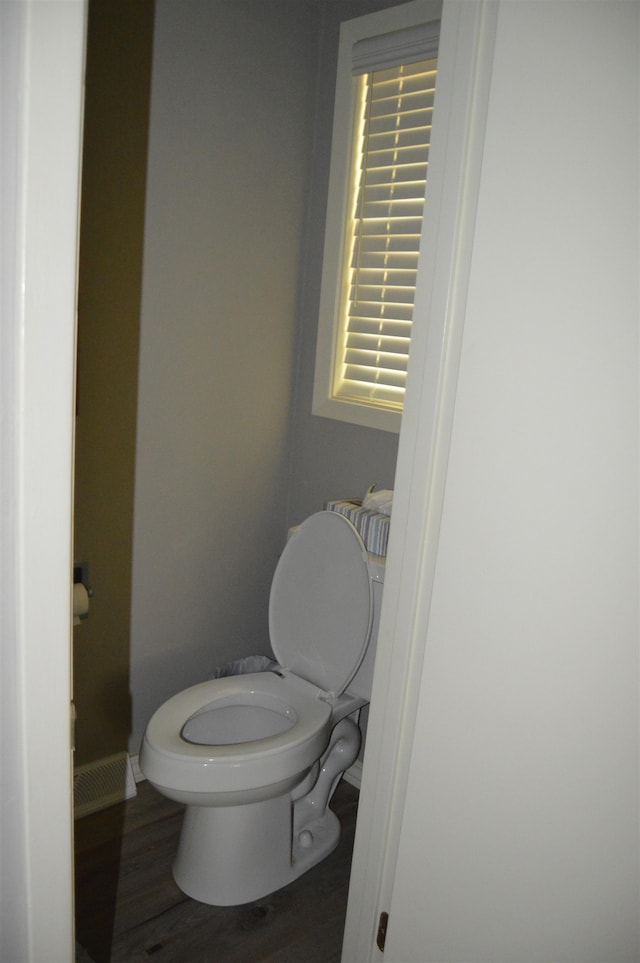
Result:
[
  {"x": 388, "y": 206},
  {"x": 419, "y": 42}
]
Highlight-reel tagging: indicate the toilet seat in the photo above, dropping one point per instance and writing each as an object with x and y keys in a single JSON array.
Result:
[
  {"x": 321, "y": 602},
  {"x": 238, "y": 766}
]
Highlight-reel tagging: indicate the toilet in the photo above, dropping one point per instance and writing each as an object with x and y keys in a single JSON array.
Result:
[{"x": 256, "y": 758}]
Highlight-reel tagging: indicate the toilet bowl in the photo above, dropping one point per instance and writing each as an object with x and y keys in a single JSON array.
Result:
[
  {"x": 256, "y": 758},
  {"x": 247, "y": 736}
]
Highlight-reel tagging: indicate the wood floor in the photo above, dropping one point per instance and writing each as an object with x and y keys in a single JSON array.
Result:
[{"x": 129, "y": 909}]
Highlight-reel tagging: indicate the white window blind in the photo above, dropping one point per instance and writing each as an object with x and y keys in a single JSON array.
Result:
[
  {"x": 388, "y": 205},
  {"x": 385, "y": 88}
]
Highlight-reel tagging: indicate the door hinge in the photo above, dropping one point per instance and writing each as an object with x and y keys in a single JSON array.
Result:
[{"x": 381, "y": 938}]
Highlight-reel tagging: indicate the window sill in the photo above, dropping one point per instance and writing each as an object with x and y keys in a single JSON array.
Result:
[{"x": 359, "y": 413}]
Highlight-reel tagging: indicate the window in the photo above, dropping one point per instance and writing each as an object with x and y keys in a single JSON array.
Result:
[{"x": 382, "y": 127}]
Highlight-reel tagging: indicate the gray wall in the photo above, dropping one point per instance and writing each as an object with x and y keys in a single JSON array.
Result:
[
  {"x": 228, "y": 454},
  {"x": 328, "y": 458},
  {"x": 218, "y": 279},
  {"x": 230, "y": 141}
]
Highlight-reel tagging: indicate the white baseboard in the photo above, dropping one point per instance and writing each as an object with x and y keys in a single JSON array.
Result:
[
  {"x": 137, "y": 771},
  {"x": 354, "y": 774}
]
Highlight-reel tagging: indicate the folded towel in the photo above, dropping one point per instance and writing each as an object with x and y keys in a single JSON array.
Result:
[
  {"x": 381, "y": 502},
  {"x": 372, "y": 526}
]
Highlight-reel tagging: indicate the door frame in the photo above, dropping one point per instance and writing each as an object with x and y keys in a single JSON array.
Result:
[
  {"x": 43, "y": 47},
  {"x": 465, "y": 60}
]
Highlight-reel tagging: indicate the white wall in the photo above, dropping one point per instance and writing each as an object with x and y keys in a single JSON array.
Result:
[
  {"x": 520, "y": 832},
  {"x": 229, "y": 153},
  {"x": 228, "y": 453}
]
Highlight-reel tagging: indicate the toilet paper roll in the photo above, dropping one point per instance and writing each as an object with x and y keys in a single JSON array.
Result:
[{"x": 80, "y": 602}]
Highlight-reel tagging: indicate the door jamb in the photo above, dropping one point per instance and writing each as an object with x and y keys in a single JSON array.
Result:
[{"x": 465, "y": 63}]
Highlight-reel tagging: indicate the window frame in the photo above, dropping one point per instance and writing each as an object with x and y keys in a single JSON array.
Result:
[{"x": 345, "y": 142}]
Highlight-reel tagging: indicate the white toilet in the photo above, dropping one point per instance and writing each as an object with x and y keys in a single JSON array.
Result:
[{"x": 256, "y": 758}]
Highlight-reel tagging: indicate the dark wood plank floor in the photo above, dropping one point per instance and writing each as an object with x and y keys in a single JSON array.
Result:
[{"x": 129, "y": 909}]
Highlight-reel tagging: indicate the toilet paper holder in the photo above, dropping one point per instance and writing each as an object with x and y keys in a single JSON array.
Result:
[
  {"x": 81, "y": 575},
  {"x": 82, "y": 592}
]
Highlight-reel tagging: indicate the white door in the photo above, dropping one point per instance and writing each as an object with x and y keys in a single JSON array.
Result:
[{"x": 517, "y": 838}]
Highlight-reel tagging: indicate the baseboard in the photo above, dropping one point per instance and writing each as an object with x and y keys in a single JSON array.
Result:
[
  {"x": 99, "y": 784},
  {"x": 354, "y": 774},
  {"x": 137, "y": 771}
]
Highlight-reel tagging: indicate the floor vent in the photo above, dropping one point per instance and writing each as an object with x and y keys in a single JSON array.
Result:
[{"x": 100, "y": 784}]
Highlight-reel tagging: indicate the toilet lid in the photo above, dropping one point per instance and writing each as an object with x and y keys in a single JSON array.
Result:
[{"x": 321, "y": 604}]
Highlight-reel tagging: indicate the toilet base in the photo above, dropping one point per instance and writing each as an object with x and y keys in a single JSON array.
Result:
[{"x": 230, "y": 856}]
